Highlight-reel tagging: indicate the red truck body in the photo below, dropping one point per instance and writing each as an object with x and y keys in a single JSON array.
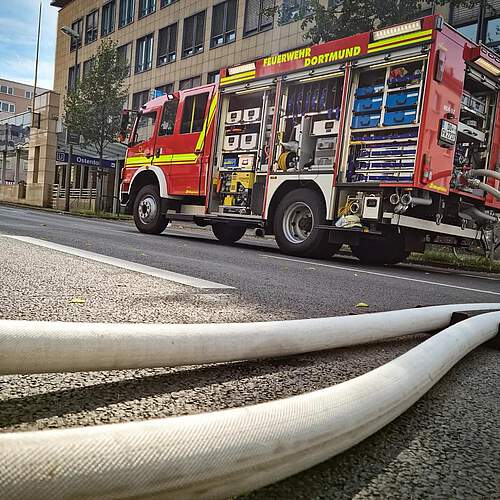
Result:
[{"x": 383, "y": 133}]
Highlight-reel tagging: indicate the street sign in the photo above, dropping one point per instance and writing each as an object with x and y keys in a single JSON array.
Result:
[
  {"x": 72, "y": 138},
  {"x": 90, "y": 161}
]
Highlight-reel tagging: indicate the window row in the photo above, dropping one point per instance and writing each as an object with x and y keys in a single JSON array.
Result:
[
  {"x": 5, "y": 89},
  {"x": 258, "y": 17},
  {"x": 7, "y": 107},
  {"x": 140, "y": 98},
  {"x": 490, "y": 35}
]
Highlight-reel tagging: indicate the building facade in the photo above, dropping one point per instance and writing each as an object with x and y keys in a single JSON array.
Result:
[
  {"x": 178, "y": 44},
  {"x": 15, "y": 98}
]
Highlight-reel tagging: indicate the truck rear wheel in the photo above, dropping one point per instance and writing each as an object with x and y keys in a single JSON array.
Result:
[
  {"x": 228, "y": 233},
  {"x": 147, "y": 215},
  {"x": 379, "y": 252},
  {"x": 296, "y": 222}
]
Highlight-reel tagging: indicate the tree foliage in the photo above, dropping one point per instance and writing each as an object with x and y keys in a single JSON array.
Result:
[
  {"x": 346, "y": 17},
  {"x": 93, "y": 108}
]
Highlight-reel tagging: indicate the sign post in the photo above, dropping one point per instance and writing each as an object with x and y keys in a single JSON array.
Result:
[{"x": 71, "y": 138}]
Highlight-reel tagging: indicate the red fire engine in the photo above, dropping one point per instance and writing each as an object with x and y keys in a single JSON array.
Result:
[{"x": 384, "y": 141}]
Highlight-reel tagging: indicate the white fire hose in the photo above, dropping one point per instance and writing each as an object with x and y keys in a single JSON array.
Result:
[
  {"x": 41, "y": 347},
  {"x": 225, "y": 453}
]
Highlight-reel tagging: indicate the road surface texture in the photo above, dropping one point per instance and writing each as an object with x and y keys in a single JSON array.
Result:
[{"x": 446, "y": 446}]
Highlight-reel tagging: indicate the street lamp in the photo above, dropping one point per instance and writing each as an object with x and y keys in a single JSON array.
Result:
[{"x": 75, "y": 36}]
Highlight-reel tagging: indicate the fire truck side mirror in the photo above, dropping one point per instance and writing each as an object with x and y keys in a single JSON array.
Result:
[{"x": 125, "y": 120}]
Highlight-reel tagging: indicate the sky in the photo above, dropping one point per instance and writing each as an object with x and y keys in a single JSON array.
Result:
[{"x": 18, "y": 29}]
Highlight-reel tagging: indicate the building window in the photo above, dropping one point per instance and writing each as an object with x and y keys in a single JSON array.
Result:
[
  {"x": 469, "y": 31},
  {"x": 165, "y": 3},
  {"x": 493, "y": 32},
  {"x": 193, "y": 113},
  {"x": 7, "y": 107},
  {"x": 124, "y": 53},
  {"x": 144, "y": 53},
  {"x": 140, "y": 98},
  {"x": 291, "y": 10},
  {"x": 167, "y": 45},
  {"x": 256, "y": 17},
  {"x": 5, "y": 89},
  {"x": 28, "y": 94},
  {"x": 213, "y": 77},
  {"x": 168, "y": 88},
  {"x": 87, "y": 67},
  {"x": 78, "y": 27},
  {"x": 223, "y": 23},
  {"x": 146, "y": 7},
  {"x": 167, "y": 123},
  {"x": 189, "y": 83},
  {"x": 108, "y": 18},
  {"x": 91, "y": 24},
  {"x": 193, "y": 35},
  {"x": 73, "y": 77},
  {"x": 126, "y": 15}
]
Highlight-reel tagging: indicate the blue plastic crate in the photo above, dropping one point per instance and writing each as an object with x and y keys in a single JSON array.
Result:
[
  {"x": 400, "y": 117},
  {"x": 399, "y": 100},
  {"x": 366, "y": 121},
  {"x": 369, "y": 90},
  {"x": 368, "y": 104}
]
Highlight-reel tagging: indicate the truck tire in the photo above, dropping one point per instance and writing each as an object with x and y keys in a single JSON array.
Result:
[
  {"x": 228, "y": 233},
  {"x": 379, "y": 252},
  {"x": 296, "y": 222},
  {"x": 147, "y": 216}
]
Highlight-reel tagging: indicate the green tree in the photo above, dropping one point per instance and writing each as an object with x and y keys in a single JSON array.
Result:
[
  {"x": 343, "y": 18},
  {"x": 93, "y": 107}
]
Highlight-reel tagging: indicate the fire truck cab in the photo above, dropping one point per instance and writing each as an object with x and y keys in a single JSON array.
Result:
[{"x": 384, "y": 141}]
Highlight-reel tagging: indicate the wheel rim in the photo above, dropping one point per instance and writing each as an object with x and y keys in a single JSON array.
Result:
[
  {"x": 148, "y": 209},
  {"x": 298, "y": 222}
]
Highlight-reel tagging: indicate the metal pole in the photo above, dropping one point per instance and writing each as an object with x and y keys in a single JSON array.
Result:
[
  {"x": 69, "y": 164},
  {"x": 3, "y": 170},
  {"x": 481, "y": 21},
  {"x": 36, "y": 65},
  {"x": 18, "y": 165},
  {"x": 67, "y": 179},
  {"x": 116, "y": 190}
]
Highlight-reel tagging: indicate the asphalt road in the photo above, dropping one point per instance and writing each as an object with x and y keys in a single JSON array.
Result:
[
  {"x": 262, "y": 277},
  {"x": 446, "y": 446}
]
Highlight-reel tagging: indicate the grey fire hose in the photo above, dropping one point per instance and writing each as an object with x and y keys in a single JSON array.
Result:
[
  {"x": 39, "y": 346},
  {"x": 226, "y": 453}
]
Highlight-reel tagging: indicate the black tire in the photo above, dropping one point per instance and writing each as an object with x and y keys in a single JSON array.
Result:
[
  {"x": 147, "y": 215},
  {"x": 228, "y": 233},
  {"x": 381, "y": 251},
  {"x": 296, "y": 222}
]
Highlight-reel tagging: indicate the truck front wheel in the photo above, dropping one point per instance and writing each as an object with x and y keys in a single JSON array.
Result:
[
  {"x": 228, "y": 233},
  {"x": 147, "y": 215},
  {"x": 296, "y": 222}
]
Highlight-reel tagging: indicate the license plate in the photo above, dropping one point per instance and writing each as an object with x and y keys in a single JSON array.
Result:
[{"x": 448, "y": 133}]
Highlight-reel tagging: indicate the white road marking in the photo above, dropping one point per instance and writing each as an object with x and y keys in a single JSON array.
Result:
[
  {"x": 384, "y": 275},
  {"x": 480, "y": 277},
  {"x": 124, "y": 264}
]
